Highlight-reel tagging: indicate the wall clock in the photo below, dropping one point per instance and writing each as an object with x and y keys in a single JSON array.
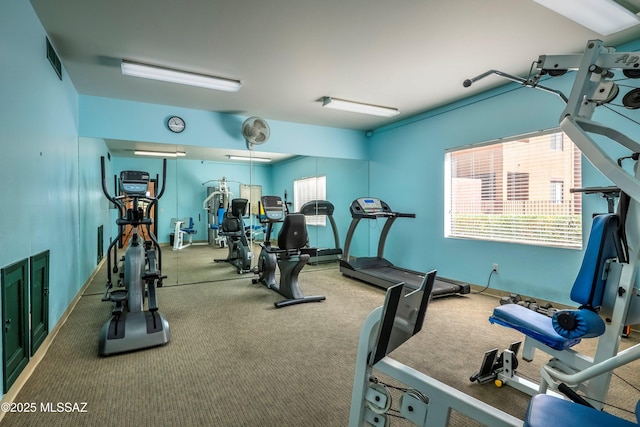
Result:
[{"x": 175, "y": 124}]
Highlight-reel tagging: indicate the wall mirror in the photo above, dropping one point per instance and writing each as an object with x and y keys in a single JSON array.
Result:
[{"x": 194, "y": 174}]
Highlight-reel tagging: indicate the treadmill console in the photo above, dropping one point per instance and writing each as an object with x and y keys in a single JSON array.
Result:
[
  {"x": 369, "y": 206},
  {"x": 273, "y": 208},
  {"x": 134, "y": 183}
]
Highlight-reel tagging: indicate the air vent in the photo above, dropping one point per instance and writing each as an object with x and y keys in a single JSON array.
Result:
[{"x": 53, "y": 59}]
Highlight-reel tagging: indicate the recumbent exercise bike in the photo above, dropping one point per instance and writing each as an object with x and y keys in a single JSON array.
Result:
[
  {"x": 289, "y": 256},
  {"x": 234, "y": 230}
]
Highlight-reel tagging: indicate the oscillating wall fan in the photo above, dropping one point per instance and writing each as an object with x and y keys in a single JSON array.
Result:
[{"x": 255, "y": 131}]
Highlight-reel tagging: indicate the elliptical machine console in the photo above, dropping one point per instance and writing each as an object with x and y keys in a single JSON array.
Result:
[
  {"x": 134, "y": 183},
  {"x": 131, "y": 327}
]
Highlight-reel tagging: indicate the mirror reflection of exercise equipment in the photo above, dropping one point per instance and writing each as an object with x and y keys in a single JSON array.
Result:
[
  {"x": 127, "y": 230},
  {"x": 131, "y": 327},
  {"x": 216, "y": 205},
  {"x": 320, "y": 255},
  {"x": 288, "y": 256},
  {"x": 235, "y": 233},
  {"x": 183, "y": 232},
  {"x": 378, "y": 270}
]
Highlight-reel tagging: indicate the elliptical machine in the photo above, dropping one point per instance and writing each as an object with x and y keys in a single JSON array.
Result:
[
  {"x": 233, "y": 229},
  {"x": 131, "y": 327},
  {"x": 288, "y": 256}
]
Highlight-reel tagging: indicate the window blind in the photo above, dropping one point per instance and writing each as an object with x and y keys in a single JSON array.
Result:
[
  {"x": 516, "y": 191},
  {"x": 307, "y": 189}
]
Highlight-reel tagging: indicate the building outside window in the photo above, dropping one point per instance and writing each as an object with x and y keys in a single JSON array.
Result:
[
  {"x": 515, "y": 190},
  {"x": 307, "y": 189}
]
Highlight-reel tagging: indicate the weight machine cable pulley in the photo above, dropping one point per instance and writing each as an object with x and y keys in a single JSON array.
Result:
[
  {"x": 630, "y": 101},
  {"x": 387, "y": 410}
]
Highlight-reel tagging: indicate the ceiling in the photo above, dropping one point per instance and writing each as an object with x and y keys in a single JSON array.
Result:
[{"x": 409, "y": 54}]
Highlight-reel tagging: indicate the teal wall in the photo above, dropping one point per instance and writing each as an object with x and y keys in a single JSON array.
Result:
[
  {"x": 52, "y": 140},
  {"x": 119, "y": 119},
  {"x": 407, "y": 171},
  {"x": 39, "y": 161}
]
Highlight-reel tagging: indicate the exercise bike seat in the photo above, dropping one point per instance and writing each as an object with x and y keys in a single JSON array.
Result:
[
  {"x": 231, "y": 225},
  {"x": 293, "y": 234},
  {"x": 548, "y": 411}
]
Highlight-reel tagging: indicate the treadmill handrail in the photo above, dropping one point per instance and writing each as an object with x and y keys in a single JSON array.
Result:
[{"x": 377, "y": 215}]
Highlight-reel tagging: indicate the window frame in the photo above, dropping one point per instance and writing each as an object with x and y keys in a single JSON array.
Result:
[
  {"x": 522, "y": 212},
  {"x": 316, "y": 190}
]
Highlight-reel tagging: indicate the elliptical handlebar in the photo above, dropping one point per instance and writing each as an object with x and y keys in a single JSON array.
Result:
[
  {"x": 164, "y": 179},
  {"x": 117, "y": 199},
  {"x": 104, "y": 184}
]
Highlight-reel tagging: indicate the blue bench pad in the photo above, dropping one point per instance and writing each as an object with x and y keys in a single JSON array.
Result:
[
  {"x": 549, "y": 411},
  {"x": 533, "y": 324}
]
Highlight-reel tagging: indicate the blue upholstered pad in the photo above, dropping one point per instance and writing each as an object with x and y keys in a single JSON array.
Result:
[
  {"x": 603, "y": 244},
  {"x": 584, "y": 324},
  {"x": 533, "y": 324},
  {"x": 548, "y": 411}
]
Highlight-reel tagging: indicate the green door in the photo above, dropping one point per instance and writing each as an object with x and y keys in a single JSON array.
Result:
[
  {"x": 100, "y": 244},
  {"x": 15, "y": 320},
  {"x": 39, "y": 299}
]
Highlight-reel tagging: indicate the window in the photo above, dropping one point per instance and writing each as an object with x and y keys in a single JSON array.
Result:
[
  {"x": 307, "y": 189},
  {"x": 556, "y": 190},
  {"x": 517, "y": 186},
  {"x": 555, "y": 141},
  {"x": 515, "y": 190},
  {"x": 252, "y": 193}
]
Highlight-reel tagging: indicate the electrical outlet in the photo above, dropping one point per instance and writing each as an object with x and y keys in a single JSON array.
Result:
[{"x": 495, "y": 267}]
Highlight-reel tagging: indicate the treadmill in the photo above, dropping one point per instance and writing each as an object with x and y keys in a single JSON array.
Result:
[
  {"x": 377, "y": 270},
  {"x": 319, "y": 255}
]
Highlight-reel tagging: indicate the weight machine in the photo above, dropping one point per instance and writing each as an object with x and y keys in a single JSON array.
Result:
[
  {"x": 425, "y": 401},
  {"x": 430, "y": 402},
  {"x": 216, "y": 204},
  {"x": 180, "y": 230},
  {"x": 131, "y": 327},
  {"x": 594, "y": 86}
]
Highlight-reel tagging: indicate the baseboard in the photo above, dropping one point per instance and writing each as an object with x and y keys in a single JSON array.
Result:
[{"x": 11, "y": 395}]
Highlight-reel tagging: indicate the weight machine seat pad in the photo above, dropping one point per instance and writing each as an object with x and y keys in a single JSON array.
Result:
[
  {"x": 604, "y": 244},
  {"x": 585, "y": 323},
  {"x": 189, "y": 229},
  {"x": 532, "y": 324},
  {"x": 549, "y": 411}
]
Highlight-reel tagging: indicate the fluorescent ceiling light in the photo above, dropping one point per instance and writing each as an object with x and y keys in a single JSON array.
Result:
[
  {"x": 160, "y": 153},
  {"x": 175, "y": 76},
  {"x": 248, "y": 159},
  {"x": 358, "y": 107},
  {"x": 605, "y": 17}
]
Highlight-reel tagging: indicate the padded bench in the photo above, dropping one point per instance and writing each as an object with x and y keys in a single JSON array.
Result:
[
  {"x": 530, "y": 323},
  {"x": 549, "y": 411}
]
